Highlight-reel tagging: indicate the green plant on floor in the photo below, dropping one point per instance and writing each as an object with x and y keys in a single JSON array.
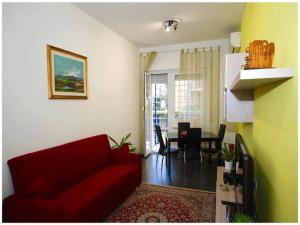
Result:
[
  {"x": 242, "y": 218},
  {"x": 228, "y": 154},
  {"x": 124, "y": 141}
]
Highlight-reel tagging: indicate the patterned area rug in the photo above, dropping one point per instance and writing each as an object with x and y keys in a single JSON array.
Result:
[{"x": 152, "y": 203}]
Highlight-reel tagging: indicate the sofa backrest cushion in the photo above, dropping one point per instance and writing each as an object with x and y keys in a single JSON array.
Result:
[
  {"x": 41, "y": 187},
  {"x": 64, "y": 165}
]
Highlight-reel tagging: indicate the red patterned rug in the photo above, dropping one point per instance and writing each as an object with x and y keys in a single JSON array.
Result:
[{"x": 152, "y": 203}]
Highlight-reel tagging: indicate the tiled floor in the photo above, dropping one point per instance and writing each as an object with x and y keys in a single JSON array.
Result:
[{"x": 192, "y": 174}]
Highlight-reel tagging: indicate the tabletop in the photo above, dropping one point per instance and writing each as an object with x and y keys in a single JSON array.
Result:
[{"x": 173, "y": 136}]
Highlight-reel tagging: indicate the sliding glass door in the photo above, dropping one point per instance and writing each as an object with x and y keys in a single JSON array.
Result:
[
  {"x": 171, "y": 98},
  {"x": 159, "y": 106},
  {"x": 147, "y": 115}
]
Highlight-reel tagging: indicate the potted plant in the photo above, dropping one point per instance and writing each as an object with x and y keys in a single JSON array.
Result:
[
  {"x": 124, "y": 141},
  {"x": 237, "y": 155},
  {"x": 242, "y": 218},
  {"x": 228, "y": 156}
]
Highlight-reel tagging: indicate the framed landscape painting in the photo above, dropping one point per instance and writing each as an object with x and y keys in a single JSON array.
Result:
[{"x": 67, "y": 74}]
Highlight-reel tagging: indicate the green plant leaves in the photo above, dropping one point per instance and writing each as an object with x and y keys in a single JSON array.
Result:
[
  {"x": 242, "y": 218},
  {"x": 123, "y": 141},
  {"x": 113, "y": 140},
  {"x": 227, "y": 155},
  {"x": 127, "y": 136},
  {"x": 132, "y": 149}
]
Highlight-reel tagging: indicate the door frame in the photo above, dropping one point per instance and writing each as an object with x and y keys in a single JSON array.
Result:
[
  {"x": 171, "y": 97},
  {"x": 146, "y": 154}
]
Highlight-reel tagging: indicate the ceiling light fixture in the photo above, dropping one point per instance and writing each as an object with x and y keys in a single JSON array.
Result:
[{"x": 171, "y": 25}]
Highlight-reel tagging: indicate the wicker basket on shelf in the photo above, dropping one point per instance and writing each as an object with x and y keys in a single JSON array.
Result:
[{"x": 261, "y": 54}]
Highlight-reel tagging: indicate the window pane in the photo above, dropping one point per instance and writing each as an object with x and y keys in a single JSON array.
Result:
[{"x": 188, "y": 94}]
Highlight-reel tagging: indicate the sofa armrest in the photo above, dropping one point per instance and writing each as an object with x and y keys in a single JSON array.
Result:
[
  {"x": 136, "y": 158},
  {"x": 19, "y": 208}
]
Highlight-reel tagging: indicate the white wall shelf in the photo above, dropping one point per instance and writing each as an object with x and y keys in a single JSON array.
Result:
[
  {"x": 238, "y": 105},
  {"x": 252, "y": 79}
]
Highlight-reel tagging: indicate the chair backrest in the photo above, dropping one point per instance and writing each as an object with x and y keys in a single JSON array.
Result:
[
  {"x": 193, "y": 139},
  {"x": 162, "y": 145},
  {"x": 182, "y": 126},
  {"x": 221, "y": 135}
]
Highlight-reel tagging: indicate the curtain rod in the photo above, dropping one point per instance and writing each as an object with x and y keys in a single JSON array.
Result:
[
  {"x": 203, "y": 49},
  {"x": 206, "y": 48}
]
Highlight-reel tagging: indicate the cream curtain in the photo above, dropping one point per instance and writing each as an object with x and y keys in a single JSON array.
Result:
[
  {"x": 202, "y": 95},
  {"x": 146, "y": 62}
]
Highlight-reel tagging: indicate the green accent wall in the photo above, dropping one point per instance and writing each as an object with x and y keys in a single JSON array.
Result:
[{"x": 272, "y": 138}]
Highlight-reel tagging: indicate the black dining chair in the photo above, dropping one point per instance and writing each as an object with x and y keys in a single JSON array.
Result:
[
  {"x": 193, "y": 144},
  {"x": 218, "y": 144},
  {"x": 182, "y": 126},
  {"x": 163, "y": 149}
]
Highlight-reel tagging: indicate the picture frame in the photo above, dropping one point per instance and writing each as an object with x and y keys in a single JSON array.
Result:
[{"x": 67, "y": 74}]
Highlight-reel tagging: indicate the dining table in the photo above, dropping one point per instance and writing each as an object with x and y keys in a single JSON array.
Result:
[{"x": 173, "y": 137}]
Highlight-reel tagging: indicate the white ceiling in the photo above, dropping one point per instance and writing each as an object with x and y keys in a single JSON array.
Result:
[{"x": 141, "y": 23}]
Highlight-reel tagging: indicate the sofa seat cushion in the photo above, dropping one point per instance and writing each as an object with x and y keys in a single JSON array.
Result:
[{"x": 98, "y": 191}]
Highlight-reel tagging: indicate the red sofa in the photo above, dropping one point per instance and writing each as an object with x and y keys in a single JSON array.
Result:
[{"x": 84, "y": 183}]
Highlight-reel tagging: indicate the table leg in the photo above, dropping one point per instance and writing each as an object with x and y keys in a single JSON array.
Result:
[
  {"x": 209, "y": 155},
  {"x": 219, "y": 158},
  {"x": 169, "y": 158}
]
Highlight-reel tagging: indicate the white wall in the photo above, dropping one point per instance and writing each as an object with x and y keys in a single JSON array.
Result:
[
  {"x": 31, "y": 121},
  {"x": 169, "y": 60}
]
